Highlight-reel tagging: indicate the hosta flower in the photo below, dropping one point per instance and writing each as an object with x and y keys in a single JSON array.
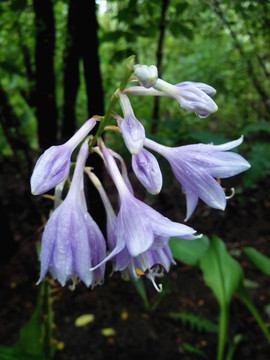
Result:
[
  {"x": 137, "y": 223},
  {"x": 140, "y": 234},
  {"x": 72, "y": 242},
  {"x": 192, "y": 96},
  {"x": 53, "y": 165},
  {"x": 196, "y": 167},
  {"x": 147, "y": 171},
  {"x": 131, "y": 129}
]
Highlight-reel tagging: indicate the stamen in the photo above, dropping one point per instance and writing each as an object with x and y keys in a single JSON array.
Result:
[
  {"x": 159, "y": 287},
  {"x": 139, "y": 272},
  {"x": 232, "y": 194},
  {"x": 74, "y": 283}
]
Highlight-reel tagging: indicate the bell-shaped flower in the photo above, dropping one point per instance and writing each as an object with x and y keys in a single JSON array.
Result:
[
  {"x": 53, "y": 165},
  {"x": 72, "y": 242},
  {"x": 192, "y": 96},
  {"x": 147, "y": 171},
  {"x": 196, "y": 167},
  {"x": 131, "y": 129},
  {"x": 138, "y": 226},
  {"x": 147, "y": 75}
]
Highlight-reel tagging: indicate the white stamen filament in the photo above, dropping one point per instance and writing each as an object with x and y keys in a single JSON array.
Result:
[{"x": 232, "y": 194}]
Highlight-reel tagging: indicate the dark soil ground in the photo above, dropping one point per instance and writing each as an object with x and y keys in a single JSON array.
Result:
[{"x": 116, "y": 304}]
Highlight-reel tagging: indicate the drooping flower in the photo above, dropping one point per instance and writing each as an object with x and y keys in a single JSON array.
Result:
[
  {"x": 72, "y": 242},
  {"x": 53, "y": 165},
  {"x": 137, "y": 223},
  {"x": 131, "y": 129},
  {"x": 138, "y": 227},
  {"x": 196, "y": 167},
  {"x": 147, "y": 171},
  {"x": 192, "y": 96},
  {"x": 139, "y": 232}
]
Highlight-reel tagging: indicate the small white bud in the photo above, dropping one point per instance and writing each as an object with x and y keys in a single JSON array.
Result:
[{"x": 147, "y": 75}]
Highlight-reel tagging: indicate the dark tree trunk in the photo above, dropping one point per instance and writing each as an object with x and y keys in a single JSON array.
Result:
[
  {"x": 46, "y": 109},
  {"x": 71, "y": 74},
  {"x": 89, "y": 47},
  {"x": 92, "y": 76},
  {"x": 164, "y": 7},
  {"x": 83, "y": 45}
]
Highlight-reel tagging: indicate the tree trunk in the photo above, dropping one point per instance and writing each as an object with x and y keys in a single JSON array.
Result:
[
  {"x": 46, "y": 109},
  {"x": 71, "y": 74},
  {"x": 164, "y": 7},
  {"x": 83, "y": 45}
]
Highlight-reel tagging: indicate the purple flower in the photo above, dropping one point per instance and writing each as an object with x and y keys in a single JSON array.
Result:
[
  {"x": 197, "y": 166},
  {"x": 131, "y": 129},
  {"x": 53, "y": 165},
  {"x": 192, "y": 96},
  {"x": 72, "y": 242},
  {"x": 189, "y": 96},
  {"x": 138, "y": 226},
  {"x": 147, "y": 171},
  {"x": 138, "y": 236}
]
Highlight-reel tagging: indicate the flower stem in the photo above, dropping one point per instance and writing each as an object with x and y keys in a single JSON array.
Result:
[
  {"x": 222, "y": 332},
  {"x": 114, "y": 98}
]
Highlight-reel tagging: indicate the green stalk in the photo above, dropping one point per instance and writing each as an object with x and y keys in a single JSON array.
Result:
[
  {"x": 114, "y": 98},
  {"x": 47, "y": 319},
  {"x": 249, "y": 304},
  {"x": 222, "y": 330}
]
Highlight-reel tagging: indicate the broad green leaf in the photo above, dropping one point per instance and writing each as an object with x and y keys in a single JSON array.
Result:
[
  {"x": 8, "y": 353},
  {"x": 189, "y": 251},
  {"x": 261, "y": 261},
  {"x": 221, "y": 272}
]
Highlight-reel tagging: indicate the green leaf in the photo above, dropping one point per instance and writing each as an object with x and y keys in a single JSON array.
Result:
[
  {"x": 35, "y": 337},
  {"x": 190, "y": 348},
  {"x": 221, "y": 272},
  {"x": 8, "y": 353},
  {"x": 189, "y": 251},
  {"x": 256, "y": 127},
  {"x": 259, "y": 159},
  {"x": 261, "y": 261},
  {"x": 196, "y": 321}
]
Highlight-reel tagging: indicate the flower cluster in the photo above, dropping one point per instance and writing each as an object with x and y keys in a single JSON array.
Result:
[{"x": 73, "y": 247}]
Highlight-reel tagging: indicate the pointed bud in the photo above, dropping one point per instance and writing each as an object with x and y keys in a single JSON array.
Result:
[
  {"x": 131, "y": 129},
  {"x": 147, "y": 171},
  {"x": 53, "y": 165}
]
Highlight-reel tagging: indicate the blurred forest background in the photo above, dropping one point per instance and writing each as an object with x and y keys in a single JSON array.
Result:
[{"x": 60, "y": 61}]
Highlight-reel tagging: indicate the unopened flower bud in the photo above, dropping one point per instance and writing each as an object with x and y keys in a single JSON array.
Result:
[
  {"x": 147, "y": 171},
  {"x": 147, "y": 75},
  {"x": 53, "y": 165},
  {"x": 131, "y": 129}
]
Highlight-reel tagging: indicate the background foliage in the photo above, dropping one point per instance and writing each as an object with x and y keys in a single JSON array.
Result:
[{"x": 60, "y": 61}]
